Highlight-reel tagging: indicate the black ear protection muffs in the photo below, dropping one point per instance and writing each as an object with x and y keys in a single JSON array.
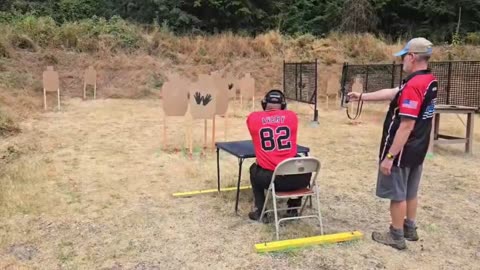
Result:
[{"x": 276, "y": 97}]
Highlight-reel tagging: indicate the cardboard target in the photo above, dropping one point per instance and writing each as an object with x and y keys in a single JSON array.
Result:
[
  {"x": 51, "y": 82},
  {"x": 175, "y": 96},
  {"x": 90, "y": 76},
  {"x": 247, "y": 86},
  {"x": 357, "y": 85},
  {"x": 222, "y": 94},
  {"x": 232, "y": 85},
  {"x": 203, "y": 99}
]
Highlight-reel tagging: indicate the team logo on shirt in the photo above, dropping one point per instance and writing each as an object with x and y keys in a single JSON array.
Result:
[{"x": 430, "y": 110}]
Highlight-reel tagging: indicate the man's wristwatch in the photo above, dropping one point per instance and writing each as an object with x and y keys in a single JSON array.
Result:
[{"x": 390, "y": 156}]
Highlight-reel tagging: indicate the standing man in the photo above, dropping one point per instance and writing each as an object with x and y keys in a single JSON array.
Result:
[
  {"x": 274, "y": 137},
  {"x": 405, "y": 141}
]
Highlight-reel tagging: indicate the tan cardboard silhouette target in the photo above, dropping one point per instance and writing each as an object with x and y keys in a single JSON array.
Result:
[
  {"x": 90, "y": 78},
  {"x": 221, "y": 85},
  {"x": 51, "y": 83},
  {"x": 333, "y": 86},
  {"x": 357, "y": 85},
  {"x": 233, "y": 85},
  {"x": 247, "y": 89},
  {"x": 224, "y": 87},
  {"x": 174, "y": 99},
  {"x": 175, "y": 96},
  {"x": 203, "y": 99}
]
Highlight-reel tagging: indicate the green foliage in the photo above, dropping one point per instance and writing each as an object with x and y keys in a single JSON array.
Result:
[
  {"x": 473, "y": 38},
  {"x": 434, "y": 19},
  {"x": 85, "y": 35}
]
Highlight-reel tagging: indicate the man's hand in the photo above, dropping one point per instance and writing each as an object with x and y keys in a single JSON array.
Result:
[
  {"x": 354, "y": 96},
  {"x": 386, "y": 166}
]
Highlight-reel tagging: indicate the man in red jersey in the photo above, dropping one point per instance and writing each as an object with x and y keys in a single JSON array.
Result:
[
  {"x": 274, "y": 136},
  {"x": 405, "y": 141}
]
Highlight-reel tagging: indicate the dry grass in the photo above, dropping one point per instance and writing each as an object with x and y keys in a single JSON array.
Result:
[
  {"x": 7, "y": 125},
  {"x": 94, "y": 192}
]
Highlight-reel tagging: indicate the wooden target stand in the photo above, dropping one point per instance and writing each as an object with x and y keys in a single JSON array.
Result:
[{"x": 51, "y": 83}]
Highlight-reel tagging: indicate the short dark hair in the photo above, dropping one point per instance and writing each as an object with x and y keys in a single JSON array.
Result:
[{"x": 423, "y": 57}]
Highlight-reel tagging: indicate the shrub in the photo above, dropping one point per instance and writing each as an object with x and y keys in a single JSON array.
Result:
[{"x": 473, "y": 38}]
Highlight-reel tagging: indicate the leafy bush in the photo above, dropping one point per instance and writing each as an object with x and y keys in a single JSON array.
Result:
[
  {"x": 473, "y": 38},
  {"x": 29, "y": 31}
]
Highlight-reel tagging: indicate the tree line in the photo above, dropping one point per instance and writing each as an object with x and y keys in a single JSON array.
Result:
[{"x": 438, "y": 20}]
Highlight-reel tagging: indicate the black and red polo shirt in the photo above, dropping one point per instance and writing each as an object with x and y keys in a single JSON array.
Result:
[{"x": 416, "y": 99}]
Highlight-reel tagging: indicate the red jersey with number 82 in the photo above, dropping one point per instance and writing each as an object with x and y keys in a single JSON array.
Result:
[{"x": 274, "y": 136}]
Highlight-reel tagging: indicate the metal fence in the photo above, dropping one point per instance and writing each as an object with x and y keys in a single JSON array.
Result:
[
  {"x": 300, "y": 83},
  {"x": 458, "y": 81}
]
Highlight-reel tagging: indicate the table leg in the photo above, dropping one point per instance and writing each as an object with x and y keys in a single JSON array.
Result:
[
  {"x": 469, "y": 143},
  {"x": 240, "y": 162},
  {"x": 218, "y": 169}
]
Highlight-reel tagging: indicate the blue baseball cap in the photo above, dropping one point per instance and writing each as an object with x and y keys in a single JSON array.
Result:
[{"x": 417, "y": 45}]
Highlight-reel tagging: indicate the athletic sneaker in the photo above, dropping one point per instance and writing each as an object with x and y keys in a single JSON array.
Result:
[{"x": 388, "y": 239}]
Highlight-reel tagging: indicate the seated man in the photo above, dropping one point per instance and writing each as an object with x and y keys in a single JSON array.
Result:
[{"x": 274, "y": 136}]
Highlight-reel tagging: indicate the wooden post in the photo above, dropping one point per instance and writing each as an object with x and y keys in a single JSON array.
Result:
[
  {"x": 186, "y": 134},
  {"x": 95, "y": 91},
  {"x": 213, "y": 132},
  {"x": 205, "y": 134},
  {"x": 191, "y": 137},
  {"x": 44, "y": 99},
  {"x": 58, "y": 91},
  {"x": 85, "y": 90},
  {"x": 226, "y": 126},
  {"x": 164, "y": 132}
]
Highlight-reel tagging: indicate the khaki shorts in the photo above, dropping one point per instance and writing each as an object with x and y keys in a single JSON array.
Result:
[{"x": 402, "y": 184}]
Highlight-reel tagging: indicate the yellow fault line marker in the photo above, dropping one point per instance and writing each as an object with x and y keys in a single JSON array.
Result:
[
  {"x": 198, "y": 192},
  {"x": 302, "y": 242}
]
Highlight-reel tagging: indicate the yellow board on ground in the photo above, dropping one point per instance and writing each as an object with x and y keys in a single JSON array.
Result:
[
  {"x": 303, "y": 242},
  {"x": 198, "y": 192}
]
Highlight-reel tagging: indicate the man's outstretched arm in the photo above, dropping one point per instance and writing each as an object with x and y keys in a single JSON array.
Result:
[{"x": 380, "y": 95}]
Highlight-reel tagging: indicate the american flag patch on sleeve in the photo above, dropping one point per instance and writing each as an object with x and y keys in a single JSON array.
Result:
[{"x": 409, "y": 104}]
